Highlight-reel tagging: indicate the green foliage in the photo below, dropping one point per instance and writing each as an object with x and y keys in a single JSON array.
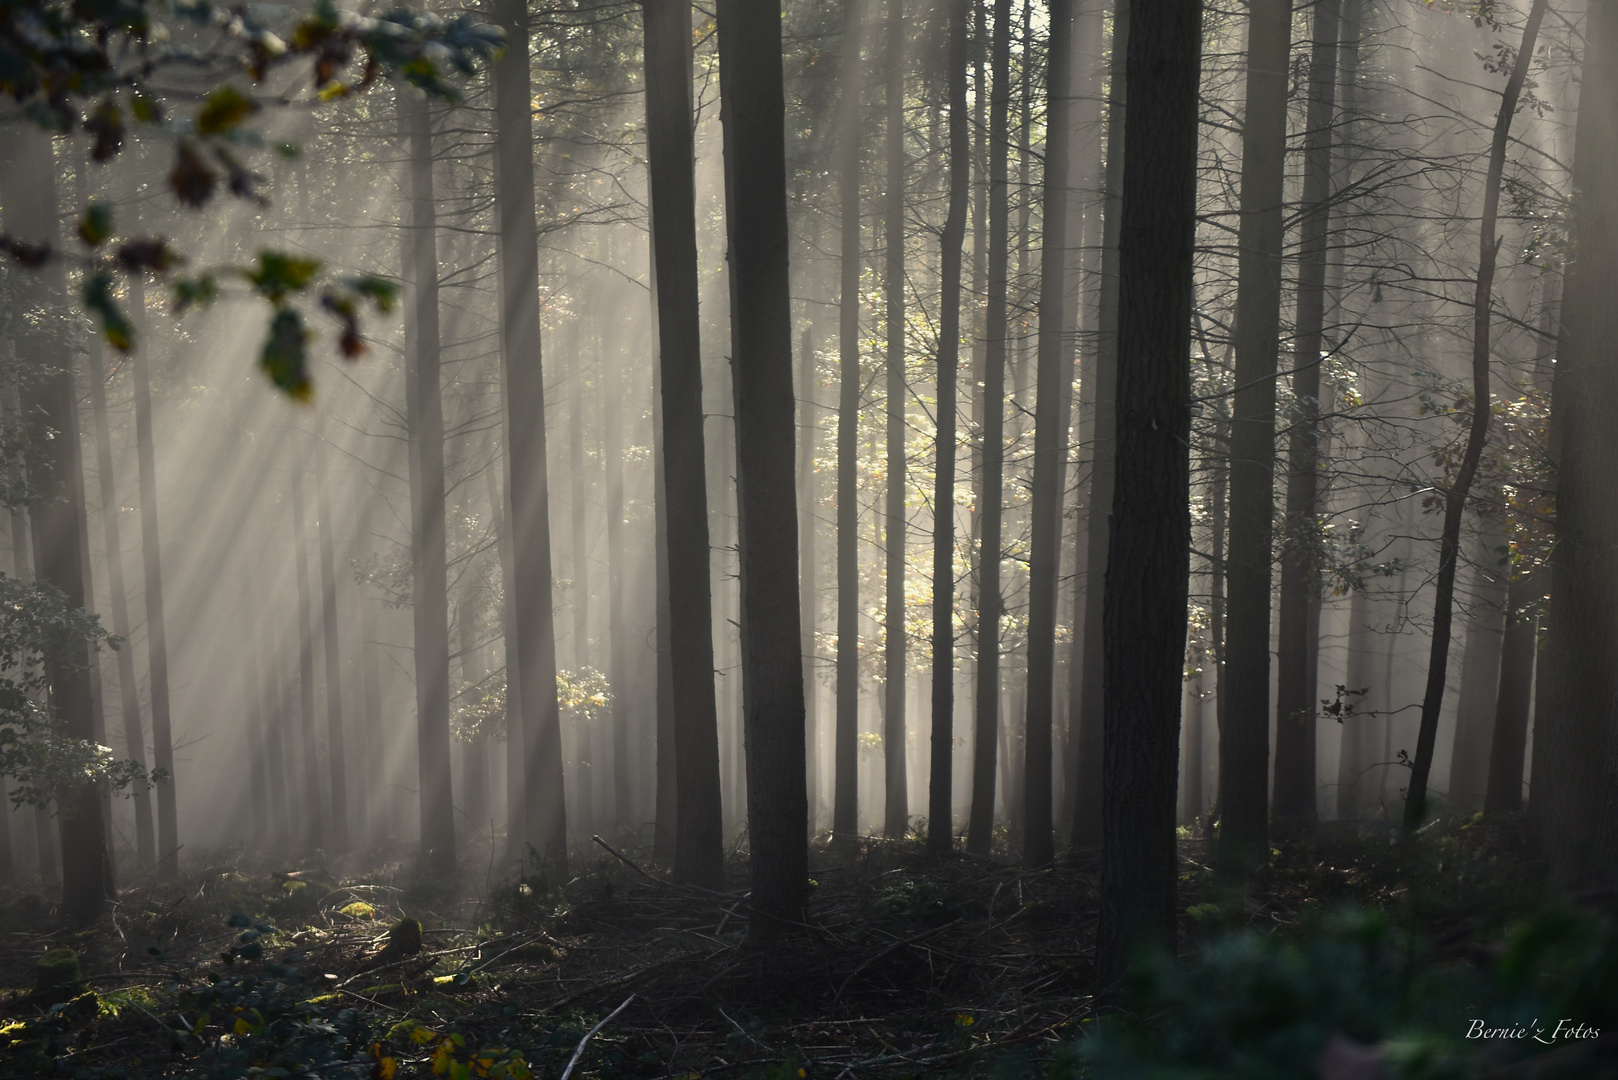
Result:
[
  {"x": 1350, "y": 986},
  {"x": 91, "y": 67}
]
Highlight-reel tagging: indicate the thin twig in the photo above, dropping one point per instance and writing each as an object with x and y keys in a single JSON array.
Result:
[{"x": 588, "y": 1035}]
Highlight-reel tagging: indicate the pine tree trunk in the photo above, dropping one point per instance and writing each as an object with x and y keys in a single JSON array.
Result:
[
  {"x": 699, "y": 841},
  {"x": 809, "y": 574},
  {"x": 940, "y": 813},
  {"x": 128, "y": 688},
  {"x": 1088, "y": 754},
  {"x": 991, "y": 495},
  {"x": 1149, "y": 570},
  {"x": 845, "y": 798},
  {"x": 896, "y": 810},
  {"x": 1053, "y": 392},
  {"x": 754, "y": 106},
  {"x": 1244, "y": 747},
  {"x": 1295, "y": 750},
  {"x": 50, "y": 417},
  {"x": 544, "y": 830}
]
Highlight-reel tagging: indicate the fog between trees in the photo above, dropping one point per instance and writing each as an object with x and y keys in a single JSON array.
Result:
[{"x": 1019, "y": 438}]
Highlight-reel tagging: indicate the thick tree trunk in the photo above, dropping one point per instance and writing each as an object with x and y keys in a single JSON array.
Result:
[
  {"x": 940, "y": 814},
  {"x": 1149, "y": 570},
  {"x": 845, "y": 799},
  {"x": 336, "y": 758},
  {"x": 1244, "y": 746},
  {"x": 754, "y": 107},
  {"x": 699, "y": 846},
  {"x": 528, "y": 486},
  {"x": 50, "y": 417},
  {"x": 896, "y": 810},
  {"x": 1478, "y": 432},
  {"x": 1088, "y": 705},
  {"x": 991, "y": 496},
  {"x": 1518, "y": 650},
  {"x": 128, "y": 688},
  {"x": 1053, "y": 391},
  {"x": 1295, "y": 751}
]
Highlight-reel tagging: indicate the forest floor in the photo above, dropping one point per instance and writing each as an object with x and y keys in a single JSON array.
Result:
[{"x": 908, "y": 965}]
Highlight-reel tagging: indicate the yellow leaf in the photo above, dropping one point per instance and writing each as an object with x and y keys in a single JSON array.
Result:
[{"x": 242, "y": 1027}]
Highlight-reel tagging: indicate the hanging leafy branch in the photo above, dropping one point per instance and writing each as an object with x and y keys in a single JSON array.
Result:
[{"x": 97, "y": 70}]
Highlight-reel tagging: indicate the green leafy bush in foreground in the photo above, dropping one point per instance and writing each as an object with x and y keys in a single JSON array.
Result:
[{"x": 1350, "y": 997}]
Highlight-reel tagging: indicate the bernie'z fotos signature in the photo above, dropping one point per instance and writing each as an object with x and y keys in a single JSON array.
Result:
[{"x": 1564, "y": 1030}]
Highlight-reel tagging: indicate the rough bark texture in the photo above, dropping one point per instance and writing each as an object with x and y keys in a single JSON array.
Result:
[
  {"x": 1295, "y": 751},
  {"x": 1053, "y": 389},
  {"x": 1148, "y": 574},
  {"x": 896, "y": 810},
  {"x": 1087, "y": 720},
  {"x": 845, "y": 797},
  {"x": 754, "y": 107},
  {"x": 528, "y": 485},
  {"x": 1244, "y": 745},
  {"x": 699, "y": 846},
  {"x": 991, "y": 496},
  {"x": 940, "y": 827}
]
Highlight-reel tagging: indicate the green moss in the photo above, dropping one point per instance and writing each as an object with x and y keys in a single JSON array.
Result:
[{"x": 57, "y": 969}]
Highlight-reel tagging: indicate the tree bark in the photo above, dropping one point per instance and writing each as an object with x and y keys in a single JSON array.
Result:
[
  {"x": 991, "y": 479},
  {"x": 128, "y": 688},
  {"x": 1244, "y": 746},
  {"x": 1053, "y": 391},
  {"x": 527, "y": 487},
  {"x": 754, "y": 106},
  {"x": 1477, "y": 434},
  {"x": 940, "y": 813},
  {"x": 896, "y": 809},
  {"x": 1518, "y": 650},
  {"x": 1088, "y": 707},
  {"x": 1295, "y": 751},
  {"x": 1149, "y": 570},
  {"x": 699, "y": 845},
  {"x": 623, "y": 795},
  {"x": 1480, "y": 681},
  {"x": 50, "y": 417},
  {"x": 845, "y": 798},
  {"x": 809, "y": 574}
]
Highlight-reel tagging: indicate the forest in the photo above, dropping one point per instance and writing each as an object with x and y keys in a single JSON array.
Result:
[{"x": 1078, "y": 541}]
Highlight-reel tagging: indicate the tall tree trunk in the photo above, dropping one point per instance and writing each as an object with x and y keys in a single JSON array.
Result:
[
  {"x": 845, "y": 799},
  {"x": 376, "y": 761},
  {"x": 666, "y": 825},
  {"x": 157, "y": 652},
  {"x": 128, "y": 688},
  {"x": 516, "y": 809},
  {"x": 257, "y": 742},
  {"x": 809, "y": 573},
  {"x": 584, "y": 779},
  {"x": 1244, "y": 744},
  {"x": 754, "y": 107},
  {"x": 1455, "y": 499},
  {"x": 1088, "y": 704},
  {"x": 623, "y": 795},
  {"x": 1295, "y": 751},
  {"x": 699, "y": 847},
  {"x": 50, "y": 417},
  {"x": 1053, "y": 392},
  {"x": 1149, "y": 570},
  {"x": 430, "y": 605},
  {"x": 1503, "y": 793},
  {"x": 474, "y": 749},
  {"x": 940, "y": 813},
  {"x": 336, "y": 758},
  {"x": 528, "y": 487},
  {"x": 1480, "y": 681},
  {"x": 314, "y": 799},
  {"x": 896, "y": 810},
  {"x": 991, "y": 495}
]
